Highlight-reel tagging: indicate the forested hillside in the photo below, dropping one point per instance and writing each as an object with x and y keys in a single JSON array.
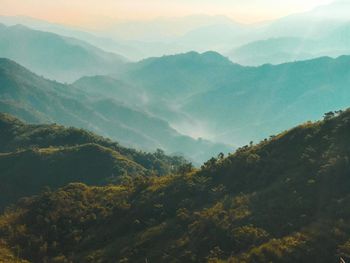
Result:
[
  {"x": 33, "y": 157},
  {"x": 285, "y": 199}
]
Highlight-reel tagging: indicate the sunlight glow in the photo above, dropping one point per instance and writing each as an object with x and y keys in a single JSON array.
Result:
[{"x": 94, "y": 13}]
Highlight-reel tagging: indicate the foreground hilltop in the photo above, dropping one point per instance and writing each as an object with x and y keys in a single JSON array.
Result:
[
  {"x": 286, "y": 199},
  {"x": 36, "y": 156}
]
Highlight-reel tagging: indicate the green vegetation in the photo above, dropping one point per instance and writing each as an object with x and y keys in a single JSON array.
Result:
[
  {"x": 285, "y": 199},
  {"x": 36, "y": 156}
]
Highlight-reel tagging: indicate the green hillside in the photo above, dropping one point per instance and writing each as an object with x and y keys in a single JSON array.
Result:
[
  {"x": 33, "y": 157},
  {"x": 283, "y": 200}
]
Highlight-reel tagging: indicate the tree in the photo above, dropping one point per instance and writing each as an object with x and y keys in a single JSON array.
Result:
[
  {"x": 328, "y": 115},
  {"x": 185, "y": 168}
]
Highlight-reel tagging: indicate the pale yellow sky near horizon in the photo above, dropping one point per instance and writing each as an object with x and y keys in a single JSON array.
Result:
[{"x": 97, "y": 13}]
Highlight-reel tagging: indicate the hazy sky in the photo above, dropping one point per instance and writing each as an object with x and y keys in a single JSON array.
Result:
[{"x": 98, "y": 12}]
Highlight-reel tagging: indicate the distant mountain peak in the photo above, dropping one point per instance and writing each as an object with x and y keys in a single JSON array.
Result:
[
  {"x": 215, "y": 57},
  {"x": 209, "y": 57},
  {"x": 55, "y": 56}
]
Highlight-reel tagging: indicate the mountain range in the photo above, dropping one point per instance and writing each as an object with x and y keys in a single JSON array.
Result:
[
  {"x": 134, "y": 143},
  {"x": 283, "y": 200},
  {"x": 38, "y": 100},
  {"x": 163, "y": 102},
  {"x": 54, "y": 56},
  {"x": 164, "y": 36},
  {"x": 206, "y": 95}
]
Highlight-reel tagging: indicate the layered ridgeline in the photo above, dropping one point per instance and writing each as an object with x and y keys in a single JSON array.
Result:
[
  {"x": 299, "y": 36},
  {"x": 284, "y": 200},
  {"x": 38, "y": 100},
  {"x": 54, "y": 56},
  {"x": 163, "y": 84},
  {"x": 211, "y": 97},
  {"x": 323, "y": 31},
  {"x": 33, "y": 157},
  {"x": 287, "y": 49}
]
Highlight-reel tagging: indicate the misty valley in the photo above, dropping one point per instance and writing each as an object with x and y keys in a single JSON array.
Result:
[{"x": 192, "y": 138}]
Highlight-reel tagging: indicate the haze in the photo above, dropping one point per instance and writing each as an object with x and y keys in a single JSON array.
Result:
[{"x": 99, "y": 13}]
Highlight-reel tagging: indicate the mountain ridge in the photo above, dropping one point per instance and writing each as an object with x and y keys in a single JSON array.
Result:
[
  {"x": 66, "y": 59},
  {"x": 45, "y": 101},
  {"x": 36, "y": 156},
  {"x": 282, "y": 200}
]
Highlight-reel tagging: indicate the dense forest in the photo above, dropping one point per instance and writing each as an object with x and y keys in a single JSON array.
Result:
[
  {"x": 36, "y": 156},
  {"x": 285, "y": 199}
]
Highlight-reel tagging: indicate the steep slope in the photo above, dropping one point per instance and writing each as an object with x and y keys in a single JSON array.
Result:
[
  {"x": 33, "y": 98},
  {"x": 54, "y": 56},
  {"x": 283, "y": 200},
  {"x": 36, "y": 156}
]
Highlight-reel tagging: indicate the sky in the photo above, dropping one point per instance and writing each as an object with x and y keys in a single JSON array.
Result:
[{"x": 94, "y": 13}]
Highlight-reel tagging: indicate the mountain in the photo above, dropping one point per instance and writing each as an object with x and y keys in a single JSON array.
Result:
[
  {"x": 283, "y": 200},
  {"x": 339, "y": 38},
  {"x": 255, "y": 102},
  {"x": 164, "y": 84},
  {"x": 176, "y": 76},
  {"x": 289, "y": 49},
  {"x": 315, "y": 33},
  {"x": 160, "y": 85},
  {"x": 107, "y": 86},
  {"x": 275, "y": 51},
  {"x": 55, "y": 57},
  {"x": 164, "y": 36},
  {"x": 38, "y": 100},
  {"x": 36, "y": 156},
  {"x": 107, "y": 43},
  {"x": 206, "y": 95},
  {"x": 142, "y": 39},
  {"x": 317, "y": 22}
]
